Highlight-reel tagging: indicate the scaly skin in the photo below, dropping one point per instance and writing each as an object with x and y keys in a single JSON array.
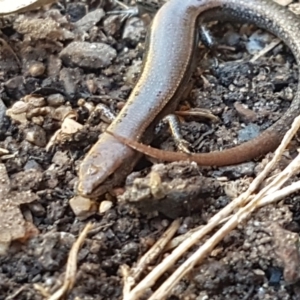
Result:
[{"x": 167, "y": 68}]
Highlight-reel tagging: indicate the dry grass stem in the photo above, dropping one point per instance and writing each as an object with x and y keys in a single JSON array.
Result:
[
  {"x": 235, "y": 219},
  {"x": 71, "y": 269}
]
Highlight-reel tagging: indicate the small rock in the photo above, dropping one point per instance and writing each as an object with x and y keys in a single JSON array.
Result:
[
  {"x": 70, "y": 126},
  {"x": 3, "y": 110},
  {"x": 32, "y": 164},
  {"x": 275, "y": 276},
  {"x": 232, "y": 38},
  {"x": 26, "y": 181},
  {"x": 56, "y": 100},
  {"x": 75, "y": 11},
  {"x": 54, "y": 66},
  {"x": 238, "y": 171},
  {"x": 133, "y": 72},
  {"x": 70, "y": 79},
  {"x": 257, "y": 41},
  {"x": 35, "y": 101},
  {"x": 18, "y": 112},
  {"x": 91, "y": 85},
  {"x": 19, "y": 107},
  {"x": 95, "y": 247},
  {"x": 295, "y": 8},
  {"x": 41, "y": 28},
  {"x": 105, "y": 206},
  {"x": 39, "y": 111},
  {"x": 251, "y": 131},
  {"x": 61, "y": 112},
  {"x": 60, "y": 158},
  {"x": 15, "y": 87},
  {"x": 88, "y": 55},
  {"x": 38, "y": 120},
  {"x": 20, "y": 118},
  {"x": 82, "y": 207},
  {"x": 167, "y": 187},
  {"x": 279, "y": 59},
  {"x": 134, "y": 30},
  {"x": 4, "y": 247},
  {"x": 247, "y": 115},
  {"x": 37, "y": 136},
  {"x": 12, "y": 225},
  {"x": 52, "y": 180},
  {"x": 37, "y": 209},
  {"x": 50, "y": 250},
  {"x": 259, "y": 272},
  {"x": 90, "y": 20},
  {"x": 130, "y": 248},
  {"x": 287, "y": 251},
  {"x": 112, "y": 25},
  {"x": 37, "y": 69}
]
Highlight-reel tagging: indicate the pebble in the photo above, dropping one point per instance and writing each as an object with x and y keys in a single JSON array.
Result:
[
  {"x": 235, "y": 172},
  {"x": 37, "y": 136},
  {"x": 32, "y": 164},
  {"x": 19, "y": 107},
  {"x": 112, "y": 25},
  {"x": 37, "y": 69},
  {"x": 61, "y": 112},
  {"x": 105, "y": 206},
  {"x": 35, "y": 101},
  {"x": 41, "y": 28},
  {"x": 247, "y": 115},
  {"x": 37, "y": 209},
  {"x": 38, "y": 120},
  {"x": 14, "y": 87},
  {"x": 69, "y": 78},
  {"x": 295, "y": 8},
  {"x": 18, "y": 112},
  {"x": 60, "y": 158},
  {"x": 232, "y": 38},
  {"x": 56, "y": 100},
  {"x": 88, "y": 55},
  {"x": 133, "y": 31},
  {"x": 257, "y": 41},
  {"x": 54, "y": 66},
  {"x": 82, "y": 207},
  {"x": 38, "y": 111},
  {"x": 90, "y": 20},
  {"x": 249, "y": 132}
]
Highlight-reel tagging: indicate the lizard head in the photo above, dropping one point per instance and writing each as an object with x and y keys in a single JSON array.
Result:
[{"x": 105, "y": 166}]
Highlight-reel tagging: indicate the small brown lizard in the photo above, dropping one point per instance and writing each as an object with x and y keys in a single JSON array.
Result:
[{"x": 168, "y": 66}]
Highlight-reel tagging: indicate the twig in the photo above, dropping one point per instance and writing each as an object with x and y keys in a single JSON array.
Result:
[
  {"x": 71, "y": 265},
  {"x": 265, "y": 50},
  {"x": 131, "y": 277},
  {"x": 169, "y": 261},
  {"x": 16, "y": 293},
  {"x": 237, "y": 218},
  {"x": 278, "y": 195},
  {"x": 156, "y": 249}
]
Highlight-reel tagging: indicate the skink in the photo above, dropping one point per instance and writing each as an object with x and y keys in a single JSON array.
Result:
[{"x": 168, "y": 65}]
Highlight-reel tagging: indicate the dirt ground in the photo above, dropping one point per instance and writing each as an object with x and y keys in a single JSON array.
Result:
[{"x": 66, "y": 60}]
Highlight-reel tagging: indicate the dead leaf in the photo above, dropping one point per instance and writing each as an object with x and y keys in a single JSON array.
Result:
[{"x": 12, "y": 224}]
